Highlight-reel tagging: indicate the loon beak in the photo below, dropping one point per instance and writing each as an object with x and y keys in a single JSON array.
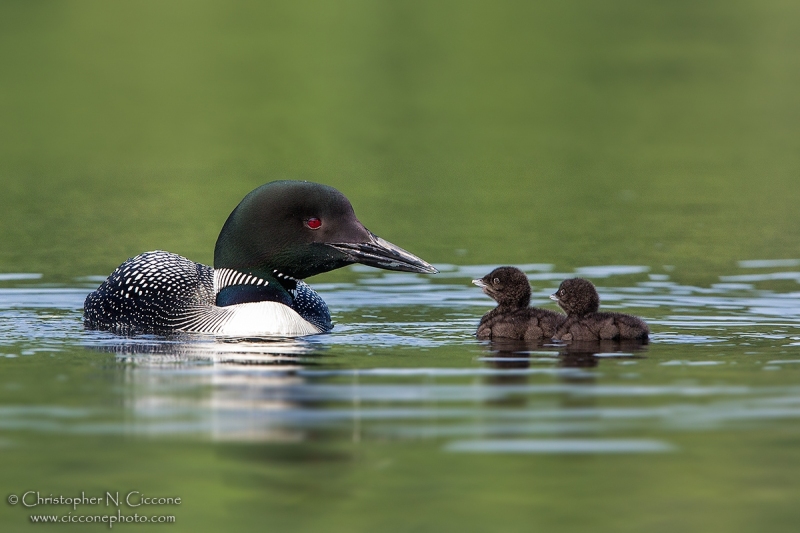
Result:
[
  {"x": 479, "y": 282},
  {"x": 554, "y": 297},
  {"x": 381, "y": 253}
]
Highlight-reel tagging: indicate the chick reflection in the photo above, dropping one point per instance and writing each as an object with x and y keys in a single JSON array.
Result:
[
  {"x": 511, "y": 354},
  {"x": 587, "y": 354},
  {"x": 569, "y": 358}
]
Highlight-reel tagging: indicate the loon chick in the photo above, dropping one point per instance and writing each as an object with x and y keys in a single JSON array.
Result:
[
  {"x": 580, "y": 300},
  {"x": 513, "y": 318},
  {"x": 280, "y": 233}
]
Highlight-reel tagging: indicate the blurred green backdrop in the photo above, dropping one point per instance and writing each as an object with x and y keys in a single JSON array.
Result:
[{"x": 573, "y": 133}]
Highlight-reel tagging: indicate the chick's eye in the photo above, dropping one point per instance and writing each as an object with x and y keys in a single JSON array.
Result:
[
  {"x": 496, "y": 281},
  {"x": 313, "y": 223}
]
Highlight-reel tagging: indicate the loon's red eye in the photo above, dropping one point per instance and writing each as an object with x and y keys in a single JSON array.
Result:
[{"x": 313, "y": 223}]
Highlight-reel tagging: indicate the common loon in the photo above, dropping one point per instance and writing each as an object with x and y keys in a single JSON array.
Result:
[
  {"x": 280, "y": 233},
  {"x": 580, "y": 300},
  {"x": 513, "y": 318}
]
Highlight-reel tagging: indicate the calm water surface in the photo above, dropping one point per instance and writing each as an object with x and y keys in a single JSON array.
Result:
[{"x": 401, "y": 408}]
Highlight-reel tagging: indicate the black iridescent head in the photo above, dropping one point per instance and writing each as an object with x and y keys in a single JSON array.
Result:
[
  {"x": 508, "y": 286},
  {"x": 301, "y": 229},
  {"x": 577, "y": 296}
]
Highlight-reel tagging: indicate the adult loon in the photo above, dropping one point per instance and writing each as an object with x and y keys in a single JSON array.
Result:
[
  {"x": 513, "y": 318},
  {"x": 280, "y": 233},
  {"x": 579, "y": 298}
]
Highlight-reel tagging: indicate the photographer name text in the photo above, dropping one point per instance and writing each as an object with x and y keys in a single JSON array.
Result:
[{"x": 133, "y": 498}]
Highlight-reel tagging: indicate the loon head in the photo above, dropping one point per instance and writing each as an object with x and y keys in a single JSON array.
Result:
[
  {"x": 508, "y": 286},
  {"x": 577, "y": 296},
  {"x": 300, "y": 229}
]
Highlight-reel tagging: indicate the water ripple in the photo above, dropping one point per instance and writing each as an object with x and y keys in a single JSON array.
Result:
[
  {"x": 559, "y": 446},
  {"x": 372, "y": 378}
]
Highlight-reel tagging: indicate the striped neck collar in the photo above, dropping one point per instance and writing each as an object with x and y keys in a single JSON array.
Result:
[{"x": 227, "y": 277}]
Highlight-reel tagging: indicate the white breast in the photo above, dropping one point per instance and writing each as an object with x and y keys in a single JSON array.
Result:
[{"x": 250, "y": 319}]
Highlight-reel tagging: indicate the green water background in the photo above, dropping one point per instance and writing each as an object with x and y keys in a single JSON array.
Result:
[{"x": 572, "y": 133}]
